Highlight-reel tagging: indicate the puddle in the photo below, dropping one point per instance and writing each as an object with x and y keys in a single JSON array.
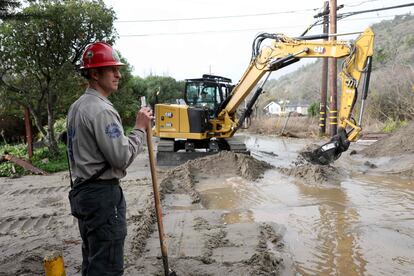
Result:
[{"x": 359, "y": 225}]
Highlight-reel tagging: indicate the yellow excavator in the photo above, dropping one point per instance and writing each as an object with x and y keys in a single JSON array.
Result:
[{"x": 207, "y": 121}]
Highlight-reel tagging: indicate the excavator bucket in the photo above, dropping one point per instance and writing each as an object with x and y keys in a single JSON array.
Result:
[{"x": 329, "y": 152}]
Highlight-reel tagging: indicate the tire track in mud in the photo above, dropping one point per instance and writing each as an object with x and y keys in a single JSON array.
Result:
[
  {"x": 46, "y": 197},
  {"x": 144, "y": 222},
  {"x": 265, "y": 261},
  {"x": 214, "y": 241},
  {"x": 35, "y": 219},
  {"x": 37, "y": 191},
  {"x": 215, "y": 237},
  {"x": 13, "y": 225}
]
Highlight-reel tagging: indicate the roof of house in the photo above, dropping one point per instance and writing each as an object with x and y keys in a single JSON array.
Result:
[
  {"x": 290, "y": 104},
  {"x": 297, "y": 103},
  {"x": 271, "y": 103}
]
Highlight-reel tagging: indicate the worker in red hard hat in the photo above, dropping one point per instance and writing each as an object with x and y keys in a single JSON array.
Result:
[
  {"x": 101, "y": 57},
  {"x": 98, "y": 154}
]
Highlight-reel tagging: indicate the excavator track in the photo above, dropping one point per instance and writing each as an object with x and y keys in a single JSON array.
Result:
[
  {"x": 167, "y": 156},
  {"x": 166, "y": 145}
]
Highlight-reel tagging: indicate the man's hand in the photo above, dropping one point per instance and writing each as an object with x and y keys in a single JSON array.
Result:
[{"x": 143, "y": 119}]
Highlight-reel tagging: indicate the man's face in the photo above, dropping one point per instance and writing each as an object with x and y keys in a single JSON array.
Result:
[{"x": 108, "y": 78}]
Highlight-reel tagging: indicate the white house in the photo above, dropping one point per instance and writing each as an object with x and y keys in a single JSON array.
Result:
[
  {"x": 297, "y": 107},
  {"x": 273, "y": 108},
  {"x": 285, "y": 107}
]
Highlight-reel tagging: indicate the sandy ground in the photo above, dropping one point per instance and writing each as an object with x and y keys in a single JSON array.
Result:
[
  {"x": 35, "y": 218},
  {"x": 36, "y": 221}
]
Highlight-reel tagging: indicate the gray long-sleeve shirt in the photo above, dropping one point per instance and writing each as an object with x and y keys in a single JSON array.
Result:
[{"x": 96, "y": 137}]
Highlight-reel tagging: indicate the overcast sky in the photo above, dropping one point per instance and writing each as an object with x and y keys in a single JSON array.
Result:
[{"x": 154, "y": 43}]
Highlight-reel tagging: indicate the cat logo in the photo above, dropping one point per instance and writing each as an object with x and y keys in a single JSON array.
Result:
[{"x": 319, "y": 50}]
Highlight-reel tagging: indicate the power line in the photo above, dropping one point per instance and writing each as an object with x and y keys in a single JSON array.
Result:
[
  {"x": 213, "y": 17},
  {"x": 343, "y": 15},
  {"x": 356, "y": 4},
  {"x": 242, "y": 30},
  {"x": 206, "y": 32},
  {"x": 372, "y": 17},
  {"x": 353, "y": 4},
  {"x": 340, "y": 16},
  {"x": 347, "y": 14}
]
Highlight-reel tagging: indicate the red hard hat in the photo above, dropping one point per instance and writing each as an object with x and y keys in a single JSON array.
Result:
[{"x": 99, "y": 54}]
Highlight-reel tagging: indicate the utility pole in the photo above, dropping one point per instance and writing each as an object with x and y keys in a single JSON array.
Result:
[
  {"x": 333, "y": 112},
  {"x": 322, "y": 108}
]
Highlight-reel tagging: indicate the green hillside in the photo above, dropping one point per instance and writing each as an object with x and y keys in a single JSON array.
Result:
[{"x": 391, "y": 87}]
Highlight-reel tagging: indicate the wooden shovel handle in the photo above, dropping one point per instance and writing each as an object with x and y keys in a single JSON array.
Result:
[{"x": 158, "y": 209}]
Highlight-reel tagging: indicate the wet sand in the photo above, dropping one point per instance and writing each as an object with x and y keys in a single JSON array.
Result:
[
  {"x": 234, "y": 215},
  {"x": 35, "y": 219}
]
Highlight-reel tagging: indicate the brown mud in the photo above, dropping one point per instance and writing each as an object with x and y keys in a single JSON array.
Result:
[
  {"x": 198, "y": 242},
  {"x": 313, "y": 174},
  {"x": 36, "y": 221},
  {"x": 309, "y": 173},
  {"x": 211, "y": 230},
  {"x": 401, "y": 142}
]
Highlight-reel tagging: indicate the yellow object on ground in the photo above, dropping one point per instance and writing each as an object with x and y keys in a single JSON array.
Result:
[{"x": 54, "y": 265}]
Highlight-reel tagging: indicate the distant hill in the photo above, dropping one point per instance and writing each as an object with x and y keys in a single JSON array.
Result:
[{"x": 392, "y": 78}]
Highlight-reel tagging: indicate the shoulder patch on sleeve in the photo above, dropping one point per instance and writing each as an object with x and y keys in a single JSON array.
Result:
[{"x": 113, "y": 130}]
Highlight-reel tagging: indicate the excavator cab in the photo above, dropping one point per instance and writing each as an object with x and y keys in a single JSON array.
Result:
[{"x": 208, "y": 92}]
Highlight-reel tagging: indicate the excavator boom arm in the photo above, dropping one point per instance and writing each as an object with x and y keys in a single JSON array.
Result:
[
  {"x": 288, "y": 48},
  {"x": 184, "y": 127},
  {"x": 285, "y": 51}
]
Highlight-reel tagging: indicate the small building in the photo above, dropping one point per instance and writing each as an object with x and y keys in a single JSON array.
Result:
[
  {"x": 273, "y": 108},
  {"x": 297, "y": 107},
  {"x": 284, "y": 107}
]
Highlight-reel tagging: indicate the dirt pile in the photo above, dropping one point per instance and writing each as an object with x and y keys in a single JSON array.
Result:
[
  {"x": 398, "y": 145},
  {"x": 226, "y": 161},
  {"x": 401, "y": 142},
  {"x": 180, "y": 180},
  {"x": 311, "y": 173},
  {"x": 183, "y": 178}
]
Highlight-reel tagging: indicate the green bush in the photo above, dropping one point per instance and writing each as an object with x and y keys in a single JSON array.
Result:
[
  {"x": 6, "y": 168},
  {"x": 60, "y": 126},
  {"x": 392, "y": 125},
  {"x": 41, "y": 159},
  {"x": 52, "y": 164},
  {"x": 313, "y": 109}
]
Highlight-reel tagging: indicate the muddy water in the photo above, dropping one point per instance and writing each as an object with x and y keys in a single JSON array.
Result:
[{"x": 362, "y": 224}]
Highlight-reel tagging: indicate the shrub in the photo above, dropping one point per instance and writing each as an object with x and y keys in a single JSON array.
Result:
[
  {"x": 313, "y": 109},
  {"x": 391, "y": 125},
  {"x": 42, "y": 159}
]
